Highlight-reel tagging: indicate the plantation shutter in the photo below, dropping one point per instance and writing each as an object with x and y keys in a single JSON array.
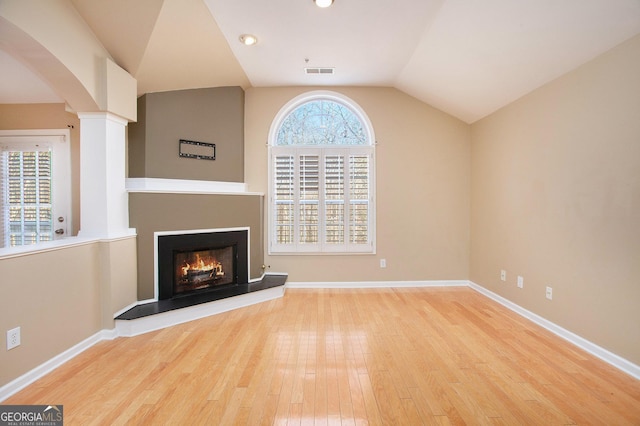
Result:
[
  {"x": 359, "y": 199},
  {"x": 309, "y": 197},
  {"x": 3, "y": 197},
  {"x": 283, "y": 199},
  {"x": 334, "y": 176},
  {"x": 26, "y": 206},
  {"x": 322, "y": 200}
]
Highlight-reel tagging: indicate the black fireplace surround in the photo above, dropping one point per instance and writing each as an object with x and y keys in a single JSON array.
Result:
[
  {"x": 176, "y": 246},
  {"x": 169, "y": 245}
]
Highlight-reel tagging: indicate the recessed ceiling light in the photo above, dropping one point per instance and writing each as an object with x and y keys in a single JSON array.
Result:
[
  {"x": 323, "y": 3},
  {"x": 248, "y": 39}
]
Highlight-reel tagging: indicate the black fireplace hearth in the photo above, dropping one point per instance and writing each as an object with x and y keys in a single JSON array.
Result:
[
  {"x": 202, "y": 266},
  {"x": 161, "y": 306}
]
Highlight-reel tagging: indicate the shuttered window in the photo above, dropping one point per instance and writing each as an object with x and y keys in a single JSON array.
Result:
[
  {"x": 321, "y": 195},
  {"x": 27, "y": 196},
  {"x": 28, "y": 203}
]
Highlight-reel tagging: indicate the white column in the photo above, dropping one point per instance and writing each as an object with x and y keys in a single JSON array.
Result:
[{"x": 104, "y": 203}]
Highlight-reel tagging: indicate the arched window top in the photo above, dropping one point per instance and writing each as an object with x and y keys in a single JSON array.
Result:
[{"x": 321, "y": 119}]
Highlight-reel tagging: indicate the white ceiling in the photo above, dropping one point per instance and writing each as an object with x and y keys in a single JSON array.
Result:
[{"x": 465, "y": 57}]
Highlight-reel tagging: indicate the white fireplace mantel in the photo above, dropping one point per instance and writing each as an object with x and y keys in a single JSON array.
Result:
[{"x": 184, "y": 186}]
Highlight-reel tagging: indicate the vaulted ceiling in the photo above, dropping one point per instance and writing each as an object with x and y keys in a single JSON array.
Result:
[{"x": 465, "y": 57}]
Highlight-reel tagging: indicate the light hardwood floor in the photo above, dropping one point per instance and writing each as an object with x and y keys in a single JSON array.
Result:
[{"x": 389, "y": 356}]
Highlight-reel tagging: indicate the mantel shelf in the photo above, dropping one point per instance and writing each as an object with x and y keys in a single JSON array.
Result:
[{"x": 185, "y": 186}]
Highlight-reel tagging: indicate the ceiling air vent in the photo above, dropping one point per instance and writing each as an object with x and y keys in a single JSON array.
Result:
[{"x": 319, "y": 70}]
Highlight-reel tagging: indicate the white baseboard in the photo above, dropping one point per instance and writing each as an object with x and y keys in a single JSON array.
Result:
[
  {"x": 378, "y": 284},
  {"x": 595, "y": 350},
  {"x": 26, "y": 379},
  {"x": 200, "y": 311},
  {"x": 136, "y": 327}
]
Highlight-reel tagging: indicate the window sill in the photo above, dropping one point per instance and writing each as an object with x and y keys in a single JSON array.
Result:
[{"x": 321, "y": 253}]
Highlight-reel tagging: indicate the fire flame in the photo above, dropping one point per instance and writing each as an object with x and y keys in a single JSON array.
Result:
[{"x": 199, "y": 265}]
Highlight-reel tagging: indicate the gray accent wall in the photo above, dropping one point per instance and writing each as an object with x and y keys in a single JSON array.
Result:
[
  {"x": 211, "y": 115},
  {"x": 151, "y": 212}
]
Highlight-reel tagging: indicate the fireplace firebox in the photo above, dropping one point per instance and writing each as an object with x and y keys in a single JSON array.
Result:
[{"x": 190, "y": 262}]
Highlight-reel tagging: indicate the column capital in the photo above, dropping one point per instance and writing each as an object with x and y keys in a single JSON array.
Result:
[{"x": 102, "y": 115}]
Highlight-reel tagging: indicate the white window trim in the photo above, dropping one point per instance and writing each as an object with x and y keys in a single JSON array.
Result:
[
  {"x": 320, "y": 249},
  {"x": 59, "y": 141}
]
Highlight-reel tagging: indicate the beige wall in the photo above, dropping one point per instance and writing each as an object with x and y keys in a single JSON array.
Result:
[
  {"x": 59, "y": 298},
  {"x": 49, "y": 116},
  {"x": 422, "y": 161},
  {"x": 118, "y": 277},
  {"x": 151, "y": 213},
  {"x": 556, "y": 199}
]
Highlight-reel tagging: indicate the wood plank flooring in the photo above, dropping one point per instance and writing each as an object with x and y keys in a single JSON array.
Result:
[{"x": 344, "y": 357}]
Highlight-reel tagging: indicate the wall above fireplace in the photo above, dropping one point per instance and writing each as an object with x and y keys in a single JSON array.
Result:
[
  {"x": 211, "y": 115},
  {"x": 168, "y": 192}
]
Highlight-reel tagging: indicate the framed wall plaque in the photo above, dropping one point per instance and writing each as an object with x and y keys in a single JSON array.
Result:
[{"x": 197, "y": 150}]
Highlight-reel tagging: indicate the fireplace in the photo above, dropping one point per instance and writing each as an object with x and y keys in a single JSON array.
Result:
[{"x": 194, "y": 262}]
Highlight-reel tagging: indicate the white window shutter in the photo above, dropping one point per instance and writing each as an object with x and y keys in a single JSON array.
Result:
[
  {"x": 283, "y": 200},
  {"x": 308, "y": 225},
  {"x": 334, "y": 203},
  {"x": 4, "y": 212},
  {"x": 359, "y": 199},
  {"x": 27, "y": 208}
]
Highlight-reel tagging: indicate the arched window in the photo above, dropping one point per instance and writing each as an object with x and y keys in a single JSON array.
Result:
[{"x": 321, "y": 195}]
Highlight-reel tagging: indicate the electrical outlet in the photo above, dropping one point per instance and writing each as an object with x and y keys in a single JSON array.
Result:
[
  {"x": 503, "y": 275},
  {"x": 13, "y": 338},
  {"x": 383, "y": 263},
  {"x": 549, "y": 293},
  {"x": 520, "y": 282}
]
